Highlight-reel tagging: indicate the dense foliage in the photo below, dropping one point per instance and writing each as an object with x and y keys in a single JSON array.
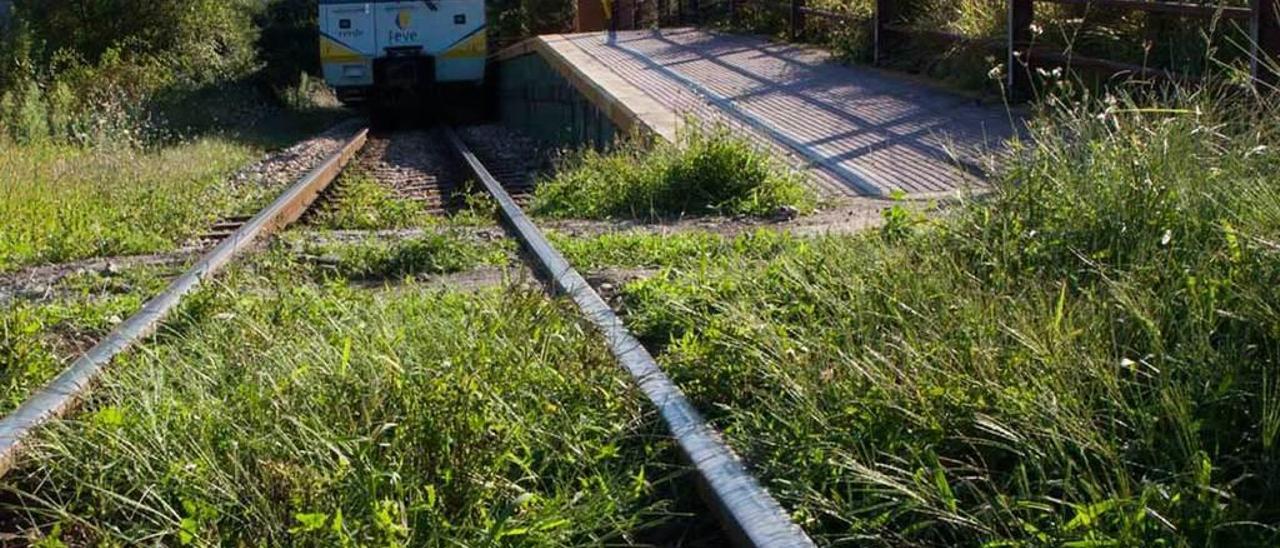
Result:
[
  {"x": 110, "y": 71},
  {"x": 1158, "y": 40}
]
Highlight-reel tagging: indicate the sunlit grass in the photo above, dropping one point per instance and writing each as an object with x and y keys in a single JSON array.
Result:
[
  {"x": 282, "y": 411},
  {"x": 358, "y": 201},
  {"x": 442, "y": 252},
  {"x": 1088, "y": 357},
  {"x": 61, "y": 203},
  {"x": 39, "y": 337},
  {"x": 711, "y": 172},
  {"x": 685, "y": 249}
]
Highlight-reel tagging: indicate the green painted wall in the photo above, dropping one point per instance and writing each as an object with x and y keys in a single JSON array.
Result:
[{"x": 537, "y": 100}]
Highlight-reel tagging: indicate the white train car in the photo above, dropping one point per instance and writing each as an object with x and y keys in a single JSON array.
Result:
[{"x": 384, "y": 51}]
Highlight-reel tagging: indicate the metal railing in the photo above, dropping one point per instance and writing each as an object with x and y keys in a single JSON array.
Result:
[
  {"x": 889, "y": 30},
  {"x": 1263, "y": 17}
]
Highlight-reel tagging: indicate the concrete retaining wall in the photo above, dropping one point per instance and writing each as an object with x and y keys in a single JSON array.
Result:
[{"x": 537, "y": 100}]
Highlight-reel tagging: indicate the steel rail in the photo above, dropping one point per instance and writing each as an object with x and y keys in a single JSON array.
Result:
[
  {"x": 750, "y": 514},
  {"x": 62, "y": 394}
]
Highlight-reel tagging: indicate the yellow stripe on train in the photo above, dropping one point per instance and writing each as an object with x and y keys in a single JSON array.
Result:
[
  {"x": 332, "y": 51},
  {"x": 474, "y": 46}
]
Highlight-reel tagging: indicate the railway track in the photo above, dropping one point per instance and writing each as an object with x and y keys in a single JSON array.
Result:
[
  {"x": 415, "y": 166},
  {"x": 430, "y": 167}
]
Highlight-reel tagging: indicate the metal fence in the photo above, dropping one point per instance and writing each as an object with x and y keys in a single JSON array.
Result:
[{"x": 889, "y": 30}]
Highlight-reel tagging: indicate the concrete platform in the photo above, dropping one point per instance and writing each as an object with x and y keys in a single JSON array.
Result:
[{"x": 861, "y": 131}]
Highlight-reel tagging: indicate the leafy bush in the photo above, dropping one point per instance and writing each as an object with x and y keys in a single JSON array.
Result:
[
  {"x": 288, "y": 44},
  {"x": 131, "y": 69},
  {"x": 710, "y": 172},
  {"x": 1187, "y": 44},
  {"x": 198, "y": 41},
  {"x": 26, "y": 114}
]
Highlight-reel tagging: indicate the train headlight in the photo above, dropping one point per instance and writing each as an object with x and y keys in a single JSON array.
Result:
[{"x": 353, "y": 71}]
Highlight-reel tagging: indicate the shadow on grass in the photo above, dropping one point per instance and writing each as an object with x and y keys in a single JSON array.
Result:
[{"x": 245, "y": 111}]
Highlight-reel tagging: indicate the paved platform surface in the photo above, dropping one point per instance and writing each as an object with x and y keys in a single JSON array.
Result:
[{"x": 861, "y": 131}]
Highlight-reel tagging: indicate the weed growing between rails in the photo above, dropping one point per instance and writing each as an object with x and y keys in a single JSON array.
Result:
[
  {"x": 359, "y": 202},
  {"x": 1089, "y": 356},
  {"x": 283, "y": 411},
  {"x": 428, "y": 254},
  {"x": 711, "y": 172}
]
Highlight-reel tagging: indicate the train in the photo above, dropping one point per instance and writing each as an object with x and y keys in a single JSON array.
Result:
[{"x": 398, "y": 52}]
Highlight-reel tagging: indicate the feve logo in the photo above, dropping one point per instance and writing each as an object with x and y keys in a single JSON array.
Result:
[{"x": 402, "y": 32}]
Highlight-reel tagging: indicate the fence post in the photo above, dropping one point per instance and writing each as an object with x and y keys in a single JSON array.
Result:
[
  {"x": 797, "y": 19},
  {"x": 679, "y": 13},
  {"x": 1021, "y": 13},
  {"x": 884, "y": 14},
  {"x": 1266, "y": 42},
  {"x": 733, "y": 12},
  {"x": 695, "y": 14}
]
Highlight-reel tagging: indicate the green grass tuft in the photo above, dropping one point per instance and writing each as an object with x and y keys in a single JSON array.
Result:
[
  {"x": 359, "y": 202},
  {"x": 689, "y": 249},
  {"x": 39, "y": 337},
  {"x": 710, "y": 173},
  {"x": 432, "y": 253}
]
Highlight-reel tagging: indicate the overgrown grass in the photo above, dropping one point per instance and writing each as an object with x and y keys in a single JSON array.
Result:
[
  {"x": 710, "y": 173},
  {"x": 359, "y": 202},
  {"x": 61, "y": 203},
  {"x": 1088, "y": 358},
  {"x": 39, "y": 337},
  {"x": 431, "y": 253},
  {"x": 686, "y": 249},
  {"x": 280, "y": 411}
]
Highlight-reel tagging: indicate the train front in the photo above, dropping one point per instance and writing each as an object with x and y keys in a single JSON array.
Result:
[{"x": 402, "y": 53}]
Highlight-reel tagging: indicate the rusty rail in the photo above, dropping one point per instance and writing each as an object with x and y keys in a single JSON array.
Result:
[{"x": 62, "y": 394}]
